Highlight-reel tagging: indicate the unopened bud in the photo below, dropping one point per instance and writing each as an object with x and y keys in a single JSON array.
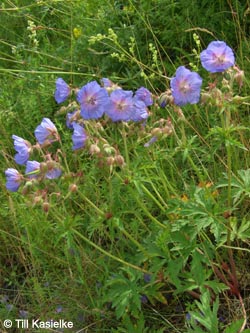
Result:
[
  {"x": 165, "y": 98},
  {"x": 239, "y": 78},
  {"x": 156, "y": 132},
  {"x": 37, "y": 199},
  {"x": 45, "y": 206},
  {"x": 94, "y": 149},
  {"x": 99, "y": 126},
  {"x": 27, "y": 187},
  {"x": 108, "y": 149},
  {"x": 110, "y": 160},
  {"x": 51, "y": 165},
  {"x": 43, "y": 167},
  {"x": 179, "y": 112},
  {"x": 73, "y": 187},
  {"x": 205, "y": 97},
  {"x": 216, "y": 94},
  {"x": 238, "y": 99},
  {"x": 167, "y": 130},
  {"x": 225, "y": 85},
  {"x": 119, "y": 160}
]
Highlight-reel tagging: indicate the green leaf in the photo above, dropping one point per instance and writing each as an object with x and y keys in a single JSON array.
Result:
[{"x": 234, "y": 327}]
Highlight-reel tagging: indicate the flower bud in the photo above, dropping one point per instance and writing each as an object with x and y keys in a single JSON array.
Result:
[
  {"x": 205, "y": 97},
  {"x": 225, "y": 85},
  {"x": 46, "y": 206},
  {"x": 156, "y": 132},
  {"x": 43, "y": 167},
  {"x": 94, "y": 149},
  {"x": 51, "y": 165},
  {"x": 37, "y": 199},
  {"x": 165, "y": 98},
  {"x": 239, "y": 78},
  {"x": 110, "y": 160},
  {"x": 179, "y": 112},
  {"x": 108, "y": 149},
  {"x": 119, "y": 160},
  {"x": 216, "y": 94},
  {"x": 238, "y": 99},
  {"x": 99, "y": 126},
  {"x": 73, "y": 188},
  {"x": 27, "y": 187},
  {"x": 167, "y": 130}
]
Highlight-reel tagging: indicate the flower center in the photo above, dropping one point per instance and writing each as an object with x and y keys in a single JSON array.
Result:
[
  {"x": 121, "y": 106},
  {"x": 91, "y": 100},
  {"x": 184, "y": 87},
  {"x": 219, "y": 59}
]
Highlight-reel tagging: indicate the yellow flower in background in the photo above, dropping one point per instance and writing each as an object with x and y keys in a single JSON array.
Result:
[
  {"x": 184, "y": 198},
  {"x": 77, "y": 32}
]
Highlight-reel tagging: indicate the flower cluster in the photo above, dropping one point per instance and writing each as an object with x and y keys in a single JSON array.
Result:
[
  {"x": 94, "y": 101},
  {"x": 186, "y": 85},
  {"x": 118, "y": 104},
  {"x": 110, "y": 101},
  {"x": 45, "y": 134}
]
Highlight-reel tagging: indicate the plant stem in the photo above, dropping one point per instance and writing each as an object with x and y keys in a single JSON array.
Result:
[
  {"x": 121, "y": 261},
  {"x": 124, "y": 136}
]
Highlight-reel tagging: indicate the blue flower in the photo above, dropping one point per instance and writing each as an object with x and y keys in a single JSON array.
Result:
[
  {"x": 70, "y": 118},
  {"x": 22, "y": 148},
  {"x": 53, "y": 173},
  {"x": 93, "y": 100},
  {"x": 147, "y": 277},
  {"x": 13, "y": 179},
  {"x": 144, "y": 95},
  {"x": 217, "y": 57},
  {"x": 62, "y": 91},
  {"x": 140, "y": 111},
  {"x": 143, "y": 299},
  {"x": 79, "y": 136},
  {"x": 46, "y": 131},
  {"x": 186, "y": 86},
  {"x": 121, "y": 105},
  {"x": 32, "y": 169}
]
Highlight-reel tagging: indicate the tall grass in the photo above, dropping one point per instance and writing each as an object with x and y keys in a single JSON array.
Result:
[{"x": 157, "y": 241}]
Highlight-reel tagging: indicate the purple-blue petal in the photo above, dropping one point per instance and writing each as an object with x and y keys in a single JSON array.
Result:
[
  {"x": 45, "y": 131},
  {"x": 144, "y": 95},
  {"x": 53, "y": 174},
  {"x": 32, "y": 166},
  {"x": 121, "y": 105},
  {"x": 93, "y": 100},
  {"x": 13, "y": 179},
  {"x": 22, "y": 148},
  {"x": 62, "y": 91},
  {"x": 186, "y": 86},
  {"x": 79, "y": 136},
  {"x": 69, "y": 117},
  {"x": 140, "y": 111},
  {"x": 217, "y": 57}
]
